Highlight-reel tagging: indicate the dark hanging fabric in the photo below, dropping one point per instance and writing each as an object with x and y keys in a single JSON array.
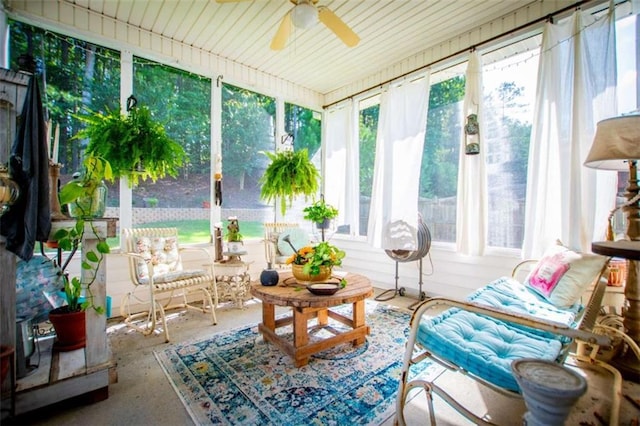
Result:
[{"x": 29, "y": 219}]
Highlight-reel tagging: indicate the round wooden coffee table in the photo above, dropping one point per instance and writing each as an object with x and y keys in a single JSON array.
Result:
[{"x": 306, "y": 306}]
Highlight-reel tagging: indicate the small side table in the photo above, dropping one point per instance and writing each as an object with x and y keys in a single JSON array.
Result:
[
  {"x": 233, "y": 282},
  {"x": 233, "y": 256}
]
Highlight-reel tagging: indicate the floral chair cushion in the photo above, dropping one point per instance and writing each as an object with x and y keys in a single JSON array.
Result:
[{"x": 163, "y": 254}]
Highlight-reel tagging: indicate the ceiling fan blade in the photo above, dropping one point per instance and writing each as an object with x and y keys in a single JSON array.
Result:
[
  {"x": 338, "y": 26},
  {"x": 280, "y": 39}
]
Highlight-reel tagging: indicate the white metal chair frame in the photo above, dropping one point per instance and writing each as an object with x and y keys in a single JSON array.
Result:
[
  {"x": 586, "y": 331},
  {"x": 156, "y": 289},
  {"x": 271, "y": 232}
]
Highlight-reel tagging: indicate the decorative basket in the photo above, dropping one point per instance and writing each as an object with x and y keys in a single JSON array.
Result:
[{"x": 302, "y": 278}]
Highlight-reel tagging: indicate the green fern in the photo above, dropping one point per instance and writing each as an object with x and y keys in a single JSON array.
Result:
[
  {"x": 135, "y": 145},
  {"x": 290, "y": 174}
]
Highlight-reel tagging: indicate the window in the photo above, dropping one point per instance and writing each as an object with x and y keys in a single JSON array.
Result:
[
  {"x": 305, "y": 125},
  {"x": 368, "y": 130},
  {"x": 439, "y": 170},
  {"x": 627, "y": 30},
  {"x": 248, "y": 127},
  {"x": 509, "y": 96},
  {"x": 181, "y": 102},
  {"x": 76, "y": 77}
]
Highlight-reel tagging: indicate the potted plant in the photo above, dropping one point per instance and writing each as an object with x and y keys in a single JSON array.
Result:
[
  {"x": 315, "y": 263},
  {"x": 69, "y": 321},
  {"x": 320, "y": 213},
  {"x": 135, "y": 145},
  {"x": 289, "y": 174},
  {"x": 86, "y": 195},
  {"x": 234, "y": 237}
]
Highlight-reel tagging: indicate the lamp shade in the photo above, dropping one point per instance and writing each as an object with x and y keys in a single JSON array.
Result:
[{"x": 617, "y": 140}]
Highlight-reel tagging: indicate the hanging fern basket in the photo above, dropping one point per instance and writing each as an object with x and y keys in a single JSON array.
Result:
[
  {"x": 289, "y": 175},
  {"x": 135, "y": 145}
]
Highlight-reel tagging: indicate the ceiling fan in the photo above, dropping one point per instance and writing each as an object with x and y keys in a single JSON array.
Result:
[{"x": 304, "y": 14}]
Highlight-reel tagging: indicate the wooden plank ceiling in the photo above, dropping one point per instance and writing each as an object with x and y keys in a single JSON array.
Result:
[{"x": 390, "y": 31}]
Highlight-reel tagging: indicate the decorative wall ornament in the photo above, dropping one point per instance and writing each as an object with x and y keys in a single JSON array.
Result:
[{"x": 472, "y": 135}]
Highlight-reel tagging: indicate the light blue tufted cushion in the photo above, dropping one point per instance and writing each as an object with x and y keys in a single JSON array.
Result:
[
  {"x": 508, "y": 293},
  {"x": 483, "y": 346}
]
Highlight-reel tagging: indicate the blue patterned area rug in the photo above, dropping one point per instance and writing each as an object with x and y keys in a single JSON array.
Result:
[{"x": 236, "y": 378}]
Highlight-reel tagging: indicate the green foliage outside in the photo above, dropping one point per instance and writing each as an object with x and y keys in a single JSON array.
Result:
[
  {"x": 439, "y": 169},
  {"x": 247, "y": 129},
  {"x": 305, "y": 128},
  {"x": 82, "y": 76},
  {"x": 519, "y": 133},
  {"x": 181, "y": 101},
  {"x": 368, "y": 133},
  {"x": 94, "y": 84}
]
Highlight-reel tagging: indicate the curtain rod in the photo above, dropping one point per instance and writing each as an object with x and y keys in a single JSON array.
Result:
[{"x": 470, "y": 48}]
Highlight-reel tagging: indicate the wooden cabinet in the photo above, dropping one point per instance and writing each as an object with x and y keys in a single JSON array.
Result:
[{"x": 63, "y": 375}]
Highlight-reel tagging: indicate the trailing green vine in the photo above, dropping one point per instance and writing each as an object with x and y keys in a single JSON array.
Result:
[{"x": 69, "y": 240}]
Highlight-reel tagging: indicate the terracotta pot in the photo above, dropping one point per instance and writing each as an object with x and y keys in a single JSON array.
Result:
[
  {"x": 71, "y": 329},
  {"x": 302, "y": 278},
  {"x": 51, "y": 244}
]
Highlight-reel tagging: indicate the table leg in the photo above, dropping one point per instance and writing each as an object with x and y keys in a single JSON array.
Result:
[
  {"x": 628, "y": 364},
  {"x": 323, "y": 317},
  {"x": 300, "y": 336},
  {"x": 358, "y": 320},
  {"x": 269, "y": 316},
  {"x": 632, "y": 294}
]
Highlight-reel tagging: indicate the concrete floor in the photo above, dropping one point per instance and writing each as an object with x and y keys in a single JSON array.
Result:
[{"x": 144, "y": 396}]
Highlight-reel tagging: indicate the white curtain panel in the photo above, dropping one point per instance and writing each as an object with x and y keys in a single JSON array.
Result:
[
  {"x": 471, "y": 212},
  {"x": 393, "y": 217},
  {"x": 338, "y": 143},
  {"x": 576, "y": 89}
]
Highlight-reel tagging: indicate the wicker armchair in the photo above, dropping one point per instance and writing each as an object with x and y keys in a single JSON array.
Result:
[{"x": 155, "y": 267}]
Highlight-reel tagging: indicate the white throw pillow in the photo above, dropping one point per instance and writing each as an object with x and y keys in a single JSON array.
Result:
[{"x": 563, "y": 275}]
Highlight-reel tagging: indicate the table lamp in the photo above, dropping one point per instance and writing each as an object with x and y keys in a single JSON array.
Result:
[{"x": 616, "y": 146}]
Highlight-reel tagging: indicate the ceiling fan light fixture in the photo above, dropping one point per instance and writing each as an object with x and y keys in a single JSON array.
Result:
[{"x": 304, "y": 15}]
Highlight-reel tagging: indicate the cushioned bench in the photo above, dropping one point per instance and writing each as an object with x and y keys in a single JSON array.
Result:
[{"x": 504, "y": 321}]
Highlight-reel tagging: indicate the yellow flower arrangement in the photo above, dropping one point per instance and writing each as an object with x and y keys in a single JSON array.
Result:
[{"x": 313, "y": 257}]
